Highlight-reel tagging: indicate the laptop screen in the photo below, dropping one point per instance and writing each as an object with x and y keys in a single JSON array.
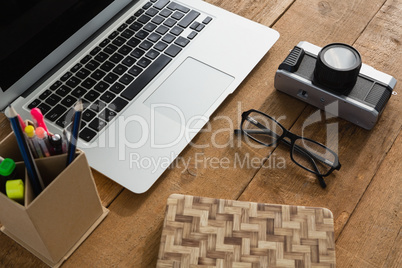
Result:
[{"x": 31, "y": 29}]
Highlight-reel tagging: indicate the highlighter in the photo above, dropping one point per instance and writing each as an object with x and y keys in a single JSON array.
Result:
[
  {"x": 43, "y": 140},
  {"x": 15, "y": 190},
  {"x": 7, "y": 172},
  {"x": 33, "y": 141},
  {"x": 37, "y": 117}
]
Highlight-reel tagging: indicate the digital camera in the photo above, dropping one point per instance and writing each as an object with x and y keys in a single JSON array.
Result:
[{"x": 335, "y": 73}]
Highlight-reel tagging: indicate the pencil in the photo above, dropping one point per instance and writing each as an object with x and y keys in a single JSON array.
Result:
[
  {"x": 74, "y": 132},
  {"x": 33, "y": 173}
]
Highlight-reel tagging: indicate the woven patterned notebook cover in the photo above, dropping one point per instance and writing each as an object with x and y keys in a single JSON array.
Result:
[{"x": 207, "y": 232}]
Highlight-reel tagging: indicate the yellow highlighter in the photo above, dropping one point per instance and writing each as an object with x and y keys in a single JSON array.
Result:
[{"x": 15, "y": 190}]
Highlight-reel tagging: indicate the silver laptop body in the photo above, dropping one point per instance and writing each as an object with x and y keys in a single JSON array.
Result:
[{"x": 146, "y": 136}]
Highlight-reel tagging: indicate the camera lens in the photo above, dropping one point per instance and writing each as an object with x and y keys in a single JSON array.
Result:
[{"x": 337, "y": 67}]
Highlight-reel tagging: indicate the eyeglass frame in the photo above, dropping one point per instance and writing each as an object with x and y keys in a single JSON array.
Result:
[{"x": 293, "y": 137}]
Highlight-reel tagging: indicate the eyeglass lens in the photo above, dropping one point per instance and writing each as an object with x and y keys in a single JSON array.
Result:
[
  {"x": 313, "y": 156},
  {"x": 262, "y": 128}
]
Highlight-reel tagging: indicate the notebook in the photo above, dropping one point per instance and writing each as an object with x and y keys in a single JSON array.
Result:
[
  {"x": 209, "y": 232},
  {"x": 150, "y": 74}
]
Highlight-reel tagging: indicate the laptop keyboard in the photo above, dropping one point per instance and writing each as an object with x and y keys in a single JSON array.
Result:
[{"x": 121, "y": 65}]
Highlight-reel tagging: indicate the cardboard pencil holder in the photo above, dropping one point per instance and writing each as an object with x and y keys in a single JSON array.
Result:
[{"x": 53, "y": 224}]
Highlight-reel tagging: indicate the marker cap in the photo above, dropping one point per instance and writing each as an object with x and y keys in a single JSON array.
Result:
[
  {"x": 40, "y": 132},
  {"x": 30, "y": 131},
  {"x": 15, "y": 190},
  {"x": 7, "y": 167}
]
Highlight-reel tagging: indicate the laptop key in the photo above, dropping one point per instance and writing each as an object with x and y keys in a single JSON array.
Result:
[
  {"x": 88, "y": 115},
  {"x": 55, "y": 113},
  {"x": 87, "y": 134},
  {"x": 165, "y": 13},
  {"x": 91, "y": 95},
  {"x": 34, "y": 104},
  {"x": 125, "y": 50},
  {"x": 161, "y": 4},
  {"x": 111, "y": 78},
  {"x": 135, "y": 26},
  {"x": 162, "y": 29},
  {"x": 157, "y": 20},
  {"x": 45, "y": 94},
  {"x": 145, "y": 45},
  {"x": 76, "y": 67},
  {"x": 133, "y": 42},
  {"x": 63, "y": 121},
  {"x": 151, "y": 12},
  {"x": 69, "y": 101},
  {"x": 44, "y": 108},
  {"x": 128, "y": 61},
  {"x": 108, "y": 97},
  {"x": 160, "y": 46},
  {"x": 85, "y": 59},
  {"x": 52, "y": 99},
  {"x": 88, "y": 83},
  {"x": 176, "y": 6},
  {"x": 181, "y": 41},
  {"x": 63, "y": 91},
  {"x": 169, "y": 38},
  {"x": 176, "y": 30},
  {"x": 92, "y": 65},
  {"x": 173, "y": 50},
  {"x": 83, "y": 73},
  {"x": 107, "y": 66},
  {"x": 144, "y": 62},
  {"x": 137, "y": 53},
  {"x": 118, "y": 104},
  {"x": 101, "y": 86},
  {"x": 144, "y": 19},
  {"x": 79, "y": 92},
  {"x": 66, "y": 76},
  {"x": 117, "y": 88},
  {"x": 101, "y": 57},
  {"x": 143, "y": 80},
  {"x": 136, "y": 70},
  {"x": 107, "y": 115},
  {"x": 127, "y": 33},
  {"x": 98, "y": 74},
  {"x": 189, "y": 18},
  {"x": 126, "y": 79},
  {"x": 119, "y": 41},
  {"x": 55, "y": 85}
]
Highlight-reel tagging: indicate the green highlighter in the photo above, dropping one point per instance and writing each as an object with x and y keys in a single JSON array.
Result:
[{"x": 7, "y": 172}]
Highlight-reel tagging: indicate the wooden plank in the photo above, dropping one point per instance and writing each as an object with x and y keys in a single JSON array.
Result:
[
  {"x": 134, "y": 232},
  {"x": 360, "y": 151},
  {"x": 374, "y": 227}
]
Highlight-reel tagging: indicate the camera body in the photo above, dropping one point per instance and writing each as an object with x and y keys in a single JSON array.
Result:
[{"x": 365, "y": 96}]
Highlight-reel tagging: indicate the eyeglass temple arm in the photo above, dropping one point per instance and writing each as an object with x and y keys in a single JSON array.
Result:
[{"x": 298, "y": 148}]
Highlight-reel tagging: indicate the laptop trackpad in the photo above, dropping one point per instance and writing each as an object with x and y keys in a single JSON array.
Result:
[{"x": 189, "y": 91}]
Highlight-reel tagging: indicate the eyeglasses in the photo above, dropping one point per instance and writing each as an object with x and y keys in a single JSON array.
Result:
[{"x": 306, "y": 153}]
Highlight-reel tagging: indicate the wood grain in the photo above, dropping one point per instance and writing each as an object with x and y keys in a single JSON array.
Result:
[
  {"x": 130, "y": 235},
  {"x": 374, "y": 229}
]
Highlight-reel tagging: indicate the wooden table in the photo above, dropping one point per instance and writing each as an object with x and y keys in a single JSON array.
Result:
[{"x": 364, "y": 195}]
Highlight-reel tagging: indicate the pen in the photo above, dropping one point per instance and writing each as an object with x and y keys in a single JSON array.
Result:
[
  {"x": 56, "y": 144},
  {"x": 33, "y": 142},
  {"x": 74, "y": 132},
  {"x": 64, "y": 141},
  {"x": 32, "y": 170},
  {"x": 37, "y": 117}
]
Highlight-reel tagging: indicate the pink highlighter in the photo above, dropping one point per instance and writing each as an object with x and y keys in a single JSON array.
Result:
[{"x": 37, "y": 117}]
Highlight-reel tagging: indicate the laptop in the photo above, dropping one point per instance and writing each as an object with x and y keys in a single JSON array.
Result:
[{"x": 150, "y": 74}]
